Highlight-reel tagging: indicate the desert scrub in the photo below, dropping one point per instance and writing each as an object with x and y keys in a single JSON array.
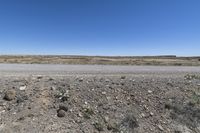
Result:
[
  {"x": 87, "y": 112},
  {"x": 62, "y": 94},
  {"x": 195, "y": 98},
  {"x": 129, "y": 123},
  {"x": 99, "y": 126}
]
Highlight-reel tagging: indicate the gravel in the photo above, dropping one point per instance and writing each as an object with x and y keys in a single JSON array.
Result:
[{"x": 106, "y": 103}]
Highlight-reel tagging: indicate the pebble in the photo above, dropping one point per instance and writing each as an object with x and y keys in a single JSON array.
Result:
[
  {"x": 151, "y": 113},
  {"x": 61, "y": 113},
  {"x": 80, "y": 115},
  {"x": 123, "y": 77},
  {"x": 2, "y": 111},
  {"x": 149, "y": 91},
  {"x": 104, "y": 93},
  {"x": 10, "y": 95},
  {"x": 106, "y": 119},
  {"x": 143, "y": 115},
  {"x": 160, "y": 127},
  {"x": 53, "y": 88},
  {"x": 63, "y": 107},
  {"x": 39, "y": 77},
  {"x": 22, "y": 88},
  {"x": 107, "y": 80},
  {"x": 81, "y": 80}
]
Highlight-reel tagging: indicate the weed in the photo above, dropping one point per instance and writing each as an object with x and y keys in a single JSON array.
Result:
[
  {"x": 188, "y": 114},
  {"x": 129, "y": 123},
  {"x": 195, "y": 99},
  {"x": 113, "y": 126},
  {"x": 88, "y": 112},
  {"x": 98, "y": 126}
]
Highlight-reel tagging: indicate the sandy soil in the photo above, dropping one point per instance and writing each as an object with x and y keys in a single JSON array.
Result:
[{"x": 105, "y": 103}]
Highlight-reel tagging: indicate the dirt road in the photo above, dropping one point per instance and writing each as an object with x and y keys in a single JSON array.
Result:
[{"x": 59, "y": 70}]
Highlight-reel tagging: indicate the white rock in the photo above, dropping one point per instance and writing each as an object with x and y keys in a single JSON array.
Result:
[
  {"x": 22, "y": 88},
  {"x": 160, "y": 127},
  {"x": 104, "y": 93},
  {"x": 106, "y": 118},
  {"x": 151, "y": 113},
  {"x": 80, "y": 115},
  {"x": 143, "y": 115},
  {"x": 149, "y": 91}
]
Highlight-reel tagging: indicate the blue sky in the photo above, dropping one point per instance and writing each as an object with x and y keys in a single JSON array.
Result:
[{"x": 100, "y": 27}]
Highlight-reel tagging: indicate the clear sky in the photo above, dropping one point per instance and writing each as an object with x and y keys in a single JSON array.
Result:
[{"x": 100, "y": 27}]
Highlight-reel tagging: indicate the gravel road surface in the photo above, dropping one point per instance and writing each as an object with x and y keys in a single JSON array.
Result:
[{"x": 50, "y": 69}]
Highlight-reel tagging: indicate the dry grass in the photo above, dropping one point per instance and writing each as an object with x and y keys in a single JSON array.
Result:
[{"x": 147, "y": 60}]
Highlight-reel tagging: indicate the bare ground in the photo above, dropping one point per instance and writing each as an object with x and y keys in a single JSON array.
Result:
[{"x": 128, "y": 103}]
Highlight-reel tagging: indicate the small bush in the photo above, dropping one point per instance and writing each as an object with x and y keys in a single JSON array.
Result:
[
  {"x": 87, "y": 113},
  {"x": 98, "y": 126}
]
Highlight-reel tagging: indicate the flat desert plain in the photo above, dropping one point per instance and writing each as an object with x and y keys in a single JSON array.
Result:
[{"x": 168, "y": 60}]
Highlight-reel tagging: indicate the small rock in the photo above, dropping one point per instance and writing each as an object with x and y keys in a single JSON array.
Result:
[
  {"x": 151, "y": 113},
  {"x": 51, "y": 79},
  {"x": 60, "y": 113},
  {"x": 63, "y": 107},
  {"x": 80, "y": 115},
  {"x": 2, "y": 111},
  {"x": 107, "y": 80},
  {"x": 10, "y": 95},
  {"x": 22, "y": 88},
  {"x": 53, "y": 88},
  {"x": 106, "y": 119},
  {"x": 160, "y": 127},
  {"x": 78, "y": 121},
  {"x": 30, "y": 115},
  {"x": 123, "y": 77},
  {"x": 149, "y": 91},
  {"x": 81, "y": 80},
  {"x": 143, "y": 115},
  {"x": 39, "y": 77},
  {"x": 108, "y": 98},
  {"x": 104, "y": 93}
]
